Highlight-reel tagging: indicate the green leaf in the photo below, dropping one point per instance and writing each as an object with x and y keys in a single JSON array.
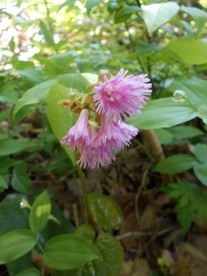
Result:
[
  {"x": 175, "y": 164},
  {"x": 164, "y": 136},
  {"x": 200, "y": 171},
  {"x": 30, "y": 272},
  {"x": 62, "y": 119},
  {"x": 31, "y": 99},
  {"x": 15, "y": 244},
  {"x": 155, "y": 15},
  {"x": 11, "y": 146},
  {"x": 47, "y": 34},
  {"x": 194, "y": 88},
  {"x": 40, "y": 212},
  {"x": 163, "y": 113},
  {"x": 86, "y": 232},
  {"x": 11, "y": 215},
  {"x": 188, "y": 50},
  {"x": 200, "y": 16},
  {"x": 112, "y": 259},
  {"x": 185, "y": 217},
  {"x": 105, "y": 211},
  {"x": 6, "y": 163},
  {"x": 200, "y": 151},
  {"x": 184, "y": 132},
  {"x": 182, "y": 191},
  {"x": 123, "y": 13},
  {"x": 20, "y": 180},
  {"x": 68, "y": 252},
  {"x": 3, "y": 183},
  {"x": 90, "y": 4}
]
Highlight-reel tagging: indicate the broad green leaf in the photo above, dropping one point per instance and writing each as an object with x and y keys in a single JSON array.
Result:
[
  {"x": 68, "y": 252},
  {"x": 200, "y": 151},
  {"x": 31, "y": 99},
  {"x": 29, "y": 272},
  {"x": 163, "y": 113},
  {"x": 194, "y": 88},
  {"x": 15, "y": 244},
  {"x": 20, "y": 180},
  {"x": 11, "y": 146},
  {"x": 184, "y": 132},
  {"x": 200, "y": 171},
  {"x": 200, "y": 16},
  {"x": 40, "y": 212},
  {"x": 105, "y": 211},
  {"x": 155, "y": 15},
  {"x": 188, "y": 50},
  {"x": 112, "y": 255},
  {"x": 175, "y": 164},
  {"x": 62, "y": 119}
]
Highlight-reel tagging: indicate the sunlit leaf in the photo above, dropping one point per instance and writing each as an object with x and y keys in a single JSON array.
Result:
[
  {"x": 155, "y": 15},
  {"x": 40, "y": 212}
]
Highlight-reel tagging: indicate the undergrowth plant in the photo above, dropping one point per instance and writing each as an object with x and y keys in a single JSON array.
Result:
[{"x": 43, "y": 98}]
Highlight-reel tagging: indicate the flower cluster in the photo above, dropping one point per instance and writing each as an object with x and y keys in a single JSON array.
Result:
[{"x": 114, "y": 98}]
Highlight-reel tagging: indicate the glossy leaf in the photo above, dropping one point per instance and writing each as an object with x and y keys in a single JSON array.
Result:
[
  {"x": 68, "y": 252},
  {"x": 40, "y": 212},
  {"x": 105, "y": 211},
  {"x": 196, "y": 52},
  {"x": 155, "y": 15},
  {"x": 15, "y": 244},
  {"x": 175, "y": 164},
  {"x": 163, "y": 113}
]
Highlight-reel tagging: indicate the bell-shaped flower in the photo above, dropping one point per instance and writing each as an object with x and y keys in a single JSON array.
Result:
[{"x": 78, "y": 136}]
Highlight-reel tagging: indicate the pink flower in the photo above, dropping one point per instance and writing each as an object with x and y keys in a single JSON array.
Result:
[
  {"x": 114, "y": 134},
  {"x": 121, "y": 95},
  {"x": 94, "y": 157},
  {"x": 78, "y": 136}
]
